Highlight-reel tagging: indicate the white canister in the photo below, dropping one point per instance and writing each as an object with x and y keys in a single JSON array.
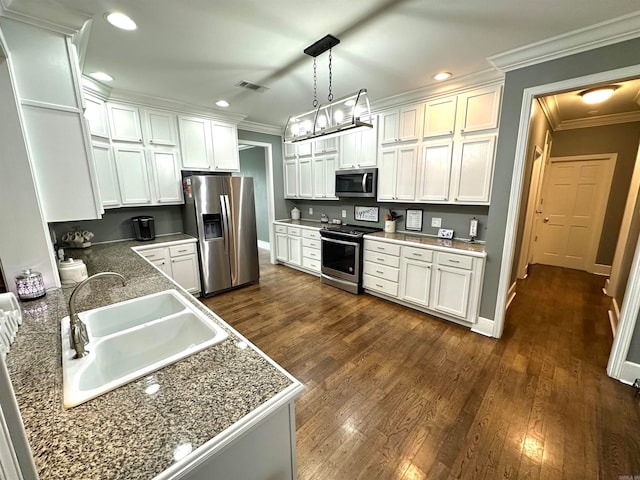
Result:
[
  {"x": 72, "y": 271},
  {"x": 295, "y": 214},
  {"x": 390, "y": 226}
]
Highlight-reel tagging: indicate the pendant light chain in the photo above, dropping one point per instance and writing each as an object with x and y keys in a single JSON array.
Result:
[
  {"x": 315, "y": 85},
  {"x": 330, "y": 97}
]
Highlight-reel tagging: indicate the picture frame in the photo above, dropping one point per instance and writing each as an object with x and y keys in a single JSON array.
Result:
[
  {"x": 413, "y": 220},
  {"x": 366, "y": 214}
]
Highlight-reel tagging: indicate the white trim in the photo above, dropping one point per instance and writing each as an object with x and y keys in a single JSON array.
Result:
[
  {"x": 511, "y": 294},
  {"x": 50, "y": 106},
  {"x": 68, "y": 21},
  {"x": 599, "y": 121},
  {"x": 599, "y": 35},
  {"x": 95, "y": 88},
  {"x": 518, "y": 172},
  {"x": 606, "y": 287},
  {"x": 599, "y": 269},
  {"x": 484, "y": 326},
  {"x": 629, "y": 373},
  {"x": 614, "y": 316},
  {"x": 264, "y": 245},
  {"x": 261, "y": 128}
]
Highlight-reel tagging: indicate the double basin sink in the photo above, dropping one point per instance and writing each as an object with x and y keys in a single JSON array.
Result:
[{"x": 131, "y": 339}]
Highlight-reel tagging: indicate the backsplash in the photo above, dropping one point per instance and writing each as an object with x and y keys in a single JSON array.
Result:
[{"x": 455, "y": 217}]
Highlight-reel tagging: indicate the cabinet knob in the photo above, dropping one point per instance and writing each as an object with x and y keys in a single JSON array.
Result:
[{"x": 450, "y": 132}]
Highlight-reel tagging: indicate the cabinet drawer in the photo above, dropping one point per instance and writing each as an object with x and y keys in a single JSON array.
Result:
[
  {"x": 310, "y": 242},
  {"x": 314, "y": 234},
  {"x": 281, "y": 229},
  {"x": 153, "y": 254},
  {"x": 388, "y": 248},
  {"x": 380, "y": 285},
  {"x": 417, "y": 254},
  {"x": 186, "y": 249},
  {"x": 382, "y": 258},
  {"x": 452, "y": 260},
  {"x": 381, "y": 271},
  {"x": 311, "y": 264},
  {"x": 309, "y": 252},
  {"x": 295, "y": 231}
]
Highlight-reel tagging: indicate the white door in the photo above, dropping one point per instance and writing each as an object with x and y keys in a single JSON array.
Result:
[
  {"x": 282, "y": 247},
  {"x": 478, "y": 110},
  {"x": 164, "y": 265},
  {"x": 406, "y": 173},
  {"x": 305, "y": 172},
  {"x": 434, "y": 172},
  {"x": 125, "y": 123},
  {"x": 368, "y": 152},
  {"x": 295, "y": 250},
  {"x": 162, "y": 128},
  {"x": 409, "y": 123},
  {"x": 96, "y": 114},
  {"x": 106, "y": 174},
  {"x": 451, "y": 292},
  {"x": 473, "y": 169},
  {"x": 291, "y": 179},
  {"x": 319, "y": 184},
  {"x": 387, "y": 174},
  {"x": 389, "y": 126},
  {"x": 415, "y": 281},
  {"x": 330, "y": 176},
  {"x": 132, "y": 175},
  {"x": 166, "y": 175},
  {"x": 440, "y": 117},
  {"x": 225, "y": 147},
  {"x": 185, "y": 272},
  {"x": 574, "y": 200},
  {"x": 349, "y": 147},
  {"x": 195, "y": 143}
]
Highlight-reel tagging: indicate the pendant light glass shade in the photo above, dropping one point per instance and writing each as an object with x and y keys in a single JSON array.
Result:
[{"x": 341, "y": 116}]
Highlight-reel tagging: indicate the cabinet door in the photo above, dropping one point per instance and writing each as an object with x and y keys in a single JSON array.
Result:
[
  {"x": 415, "y": 282},
  {"x": 319, "y": 183},
  {"x": 295, "y": 250},
  {"x": 305, "y": 172},
  {"x": 132, "y": 175},
  {"x": 166, "y": 176},
  {"x": 106, "y": 174},
  {"x": 291, "y": 179},
  {"x": 290, "y": 150},
  {"x": 406, "y": 173},
  {"x": 282, "y": 247},
  {"x": 96, "y": 114},
  {"x": 434, "y": 171},
  {"x": 479, "y": 109},
  {"x": 368, "y": 151},
  {"x": 330, "y": 162},
  {"x": 325, "y": 145},
  {"x": 349, "y": 147},
  {"x": 304, "y": 149},
  {"x": 440, "y": 117},
  {"x": 164, "y": 265},
  {"x": 225, "y": 147},
  {"x": 473, "y": 169},
  {"x": 387, "y": 174},
  {"x": 389, "y": 126},
  {"x": 185, "y": 272},
  {"x": 125, "y": 123},
  {"x": 195, "y": 143},
  {"x": 409, "y": 123},
  {"x": 161, "y": 128},
  {"x": 451, "y": 292}
]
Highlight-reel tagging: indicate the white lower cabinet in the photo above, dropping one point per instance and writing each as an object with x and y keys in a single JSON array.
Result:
[
  {"x": 415, "y": 284},
  {"x": 381, "y": 271},
  {"x": 295, "y": 249},
  {"x": 299, "y": 247},
  {"x": 178, "y": 260},
  {"x": 451, "y": 292}
]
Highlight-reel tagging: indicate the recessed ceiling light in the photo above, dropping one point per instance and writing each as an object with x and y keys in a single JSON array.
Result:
[
  {"x": 101, "y": 76},
  {"x": 121, "y": 20},
  {"x": 222, "y": 103},
  {"x": 442, "y": 76},
  {"x": 597, "y": 95}
]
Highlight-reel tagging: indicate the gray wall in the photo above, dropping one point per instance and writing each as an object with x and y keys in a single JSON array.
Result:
[
  {"x": 116, "y": 223},
  {"x": 598, "y": 60},
  {"x": 621, "y": 139},
  {"x": 252, "y": 164},
  {"x": 453, "y": 216}
]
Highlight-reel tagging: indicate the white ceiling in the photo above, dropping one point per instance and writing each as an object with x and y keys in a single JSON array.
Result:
[{"x": 195, "y": 51}]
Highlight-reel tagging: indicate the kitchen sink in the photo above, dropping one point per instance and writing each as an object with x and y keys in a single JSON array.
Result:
[{"x": 131, "y": 339}]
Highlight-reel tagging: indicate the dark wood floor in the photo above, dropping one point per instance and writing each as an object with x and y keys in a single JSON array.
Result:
[{"x": 394, "y": 394}]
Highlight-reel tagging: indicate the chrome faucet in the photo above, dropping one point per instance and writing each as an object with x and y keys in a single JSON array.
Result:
[{"x": 78, "y": 330}]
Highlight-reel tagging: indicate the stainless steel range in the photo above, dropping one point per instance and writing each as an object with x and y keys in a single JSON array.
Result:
[{"x": 342, "y": 256}]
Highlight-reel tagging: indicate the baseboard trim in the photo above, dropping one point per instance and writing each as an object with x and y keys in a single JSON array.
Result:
[
  {"x": 630, "y": 371},
  {"x": 605, "y": 289},
  {"x": 614, "y": 316},
  {"x": 599, "y": 269},
  {"x": 484, "y": 326},
  {"x": 511, "y": 294},
  {"x": 264, "y": 245}
]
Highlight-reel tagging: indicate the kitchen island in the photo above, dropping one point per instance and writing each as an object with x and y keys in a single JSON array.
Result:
[{"x": 173, "y": 423}]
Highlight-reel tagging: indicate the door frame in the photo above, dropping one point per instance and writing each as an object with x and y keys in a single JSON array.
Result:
[
  {"x": 271, "y": 206},
  {"x": 601, "y": 209},
  {"x": 631, "y": 304}
]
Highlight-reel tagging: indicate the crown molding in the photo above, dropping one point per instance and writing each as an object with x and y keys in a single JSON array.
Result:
[
  {"x": 97, "y": 89},
  {"x": 549, "y": 105},
  {"x": 452, "y": 86},
  {"x": 56, "y": 18},
  {"x": 261, "y": 128},
  {"x": 601, "y": 34},
  {"x": 599, "y": 121}
]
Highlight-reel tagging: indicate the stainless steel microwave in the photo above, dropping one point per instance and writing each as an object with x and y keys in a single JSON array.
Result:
[{"x": 356, "y": 183}]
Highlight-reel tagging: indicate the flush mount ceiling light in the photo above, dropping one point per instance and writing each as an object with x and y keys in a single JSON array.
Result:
[
  {"x": 101, "y": 76},
  {"x": 597, "y": 95},
  {"x": 222, "y": 103},
  {"x": 121, "y": 21},
  {"x": 442, "y": 76},
  {"x": 338, "y": 117}
]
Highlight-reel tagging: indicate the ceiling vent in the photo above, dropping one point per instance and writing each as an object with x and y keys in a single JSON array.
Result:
[{"x": 251, "y": 86}]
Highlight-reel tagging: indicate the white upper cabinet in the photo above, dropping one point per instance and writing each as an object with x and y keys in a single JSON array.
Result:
[
  {"x": 291, "y": 178},
  {"x": 473, "y": 169},
  {"x": 96, "y": 114},
  {"x": 434, "y": 171},
  {"x": 166, "y": 175},
  {"x": 106, "y": 174},
  {"x": 195, "y": 143},
  {"x": 359, "y": 149},
  {"x": 304, "y": 149},
  {"x": 397, "y": 172},
  {"x": 305, "y": 172},
  {"x": 324, "y": 175},
  {"x": 440, "y": 117},
  {"x": 160, "y": 128},
  {"x": 325, "y": 145},
  {"x": 290, "y": 150},
  {"x": 225, "y": 147},
  {"x": 479, "y": 109},
  {"x": 124, "y": 122},
  {"x": 400, "y": 124},
  {"x": 133, "y": 175}
]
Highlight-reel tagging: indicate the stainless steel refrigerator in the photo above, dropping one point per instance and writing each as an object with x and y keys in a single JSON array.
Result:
[{"x": 220, "y": 212}]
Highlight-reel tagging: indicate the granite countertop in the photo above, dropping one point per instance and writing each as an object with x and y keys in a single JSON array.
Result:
[
  {"x": 304, "y": 223},
  {"x": 438, "y": 243},
  {"x": 128, "y": 433}
]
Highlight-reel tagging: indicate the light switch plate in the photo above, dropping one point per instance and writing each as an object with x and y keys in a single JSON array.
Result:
[
  {"x": 310, "y": 210},
  {"x": 445, "y": 233},
  {"x": 436, "y": 222},
  {"x": 344, "y": 214}
]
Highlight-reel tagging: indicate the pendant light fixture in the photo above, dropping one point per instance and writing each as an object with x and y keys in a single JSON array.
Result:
[{"x": 337, "y": 117}]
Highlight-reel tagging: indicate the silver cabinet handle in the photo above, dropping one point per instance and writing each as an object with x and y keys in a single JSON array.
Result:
[
  {"x": 454, "y": 261},
  {"x": 380, "y": 248},
  {"x": 380, "y": 259},
  {"x": 379, "y": 286},
  {"x": 417, "y": 254},
  {"x": 150, "y": 256},
  {"x": 181, "y": 251},
  {"x": 380, "y": 272}
]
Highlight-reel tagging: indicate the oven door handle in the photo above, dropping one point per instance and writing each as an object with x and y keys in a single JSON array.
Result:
[{"x": 341, "y": 242}]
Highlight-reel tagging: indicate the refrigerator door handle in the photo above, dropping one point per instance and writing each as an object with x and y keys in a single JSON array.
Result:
[{"x": 224, "y": 203}]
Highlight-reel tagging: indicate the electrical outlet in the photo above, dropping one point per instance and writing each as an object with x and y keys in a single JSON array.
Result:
[
  {"x": 344, "y": 214},
  {"x": 436, "y": 222},
  {"x": 310, "y": 210}
]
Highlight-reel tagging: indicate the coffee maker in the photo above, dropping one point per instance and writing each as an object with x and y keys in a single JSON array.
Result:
[{"x": 144, "y": 227}]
